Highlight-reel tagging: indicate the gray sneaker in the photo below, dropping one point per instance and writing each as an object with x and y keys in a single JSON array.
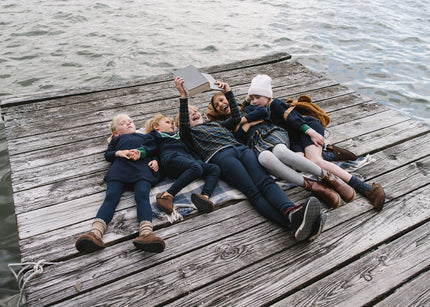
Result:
[
  {"x": 318, "y": 226},
  {"x": 303, "y": 217}
]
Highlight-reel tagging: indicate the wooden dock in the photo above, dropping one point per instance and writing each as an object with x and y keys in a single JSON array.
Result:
[{"x": 232, "y": 256}]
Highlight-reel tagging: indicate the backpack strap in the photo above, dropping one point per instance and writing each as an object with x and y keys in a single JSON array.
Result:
[{"x": 288, "y": 111}]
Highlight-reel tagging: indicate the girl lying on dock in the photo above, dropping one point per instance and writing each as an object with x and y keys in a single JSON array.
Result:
[
  {"x": 125, "y": 172},
  {"x": 180, "y": 163},
  {"x": 239, "y": 166},
  {"x": 307, "y": 138},
  {"x": 270, "y": 144}
]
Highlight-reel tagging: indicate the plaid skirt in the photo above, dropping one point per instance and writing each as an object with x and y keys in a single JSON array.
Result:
[{"x": 266, "y": 136}]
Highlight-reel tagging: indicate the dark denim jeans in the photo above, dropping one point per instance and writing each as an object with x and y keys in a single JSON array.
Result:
[
  {"x": 113, "y": 195},
  {"x": 240, "y": 169},
  {"x": 187, "y": 169}
]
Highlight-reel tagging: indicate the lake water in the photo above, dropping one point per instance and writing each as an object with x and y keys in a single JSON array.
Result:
[{"x": 380, "y": 49}]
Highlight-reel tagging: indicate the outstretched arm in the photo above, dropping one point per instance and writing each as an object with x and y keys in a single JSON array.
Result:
[{"x": 184, "y": 118}]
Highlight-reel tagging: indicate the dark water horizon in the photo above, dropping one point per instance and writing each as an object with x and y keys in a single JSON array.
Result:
[{"x": 380, "y": 49}]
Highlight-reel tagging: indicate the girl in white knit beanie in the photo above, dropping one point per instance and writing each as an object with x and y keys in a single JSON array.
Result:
[{"x": 307, "y": 138}]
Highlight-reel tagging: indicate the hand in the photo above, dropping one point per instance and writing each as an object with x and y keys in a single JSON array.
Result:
[
  {"x": 317, "y": 138},
  {"x": 179, "y": 83},
  {"x": 223, "y": 85},
  {"x": 153, "y": 165},
  {"x": 134, "y": 154},
  {"x": 122, "y": 154}
]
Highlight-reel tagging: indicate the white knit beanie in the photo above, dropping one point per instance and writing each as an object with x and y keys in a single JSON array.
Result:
[{"x": 261, "y": 85}]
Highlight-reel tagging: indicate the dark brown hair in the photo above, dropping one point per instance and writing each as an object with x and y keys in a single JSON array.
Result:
[{"x": 212, "y": 113}]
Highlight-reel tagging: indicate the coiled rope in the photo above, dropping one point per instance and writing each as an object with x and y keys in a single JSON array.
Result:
[{"x": 26, "y": 274}]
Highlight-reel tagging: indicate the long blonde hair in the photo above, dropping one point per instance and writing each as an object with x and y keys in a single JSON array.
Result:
[
  {"x": 113, "y": 125},
  {"x": 150, "y": 123}
]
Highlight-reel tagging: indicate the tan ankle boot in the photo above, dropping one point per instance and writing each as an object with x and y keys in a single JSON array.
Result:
[
  {"x": 149, "y": 243},
  {"x": 147, "y": 240},
  {"x": 376, "y": 195},
  {"x": 323, "y": 192},
  {"x": 165, "y": 202},
  {"x": 92, "y": 241},
  {"x": 342, "y": 154},
  {"x": 345, "y": 191}
]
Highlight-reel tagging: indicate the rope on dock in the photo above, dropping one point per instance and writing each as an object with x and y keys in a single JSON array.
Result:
[{"x": 27, "y": 273}]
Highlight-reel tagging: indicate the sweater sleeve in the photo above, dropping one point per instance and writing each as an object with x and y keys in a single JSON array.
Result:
[
  {"x": 254, "y": 113},
  {"x": 235, "y": 116},
  {"x": 149, "y": 147},
  {"x": 294, "y": 120},
  {"x": 184, "y": 120},
  {"x": 241, "y": 135},
  {"x": 110, "y": 151}
]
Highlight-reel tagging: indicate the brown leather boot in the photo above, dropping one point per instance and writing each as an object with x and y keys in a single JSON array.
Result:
[
  {"x": 149, "y": 243},
  {"x": 323, "y": 192},
  {"x": 89, "y": 243},
  {"x": 376, "y": 195},
  {"x": 342, "y": 154},
  {"x": 165, "y": 202},
  {"x": 345, "y": 191}
]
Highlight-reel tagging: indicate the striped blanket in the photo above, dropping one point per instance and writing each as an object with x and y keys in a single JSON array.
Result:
[{"x": 223, "y": 192}]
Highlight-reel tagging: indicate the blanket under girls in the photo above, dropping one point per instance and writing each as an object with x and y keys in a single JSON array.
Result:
[{"x": 223, "y": 192}]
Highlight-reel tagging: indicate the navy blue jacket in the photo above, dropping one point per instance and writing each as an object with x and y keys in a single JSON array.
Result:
[
  {"x": 130, "y": 171},
  {"x": 170, "y": 144}
]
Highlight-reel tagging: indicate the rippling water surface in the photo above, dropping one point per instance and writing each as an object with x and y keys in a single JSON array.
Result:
[{"x": 380, "y": 49}]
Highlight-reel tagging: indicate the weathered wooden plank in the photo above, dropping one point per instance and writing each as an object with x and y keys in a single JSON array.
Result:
[
  {"x": 46, "y": 195},
  {"x": 19, "y": 99},
  {"x": 412, "y": 293},
  {"x": 399, "y": 156},
  {"x": 385, "y": 137},
  {"x": 285, "y": 272},
  {"x": 371, "y": 276},
  {"x": 250, "y": 252}
]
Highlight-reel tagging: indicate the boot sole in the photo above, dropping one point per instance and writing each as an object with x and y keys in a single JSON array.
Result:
[
  {"x": 152, "y": 247},
  {"x": 201, "y": 204},
  {"x": 312, "y": 212},
  {"x": 88, "y": 246}
]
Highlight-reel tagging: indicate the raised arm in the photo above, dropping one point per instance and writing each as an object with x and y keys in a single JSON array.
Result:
[{"x": 184, "y": 119}]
